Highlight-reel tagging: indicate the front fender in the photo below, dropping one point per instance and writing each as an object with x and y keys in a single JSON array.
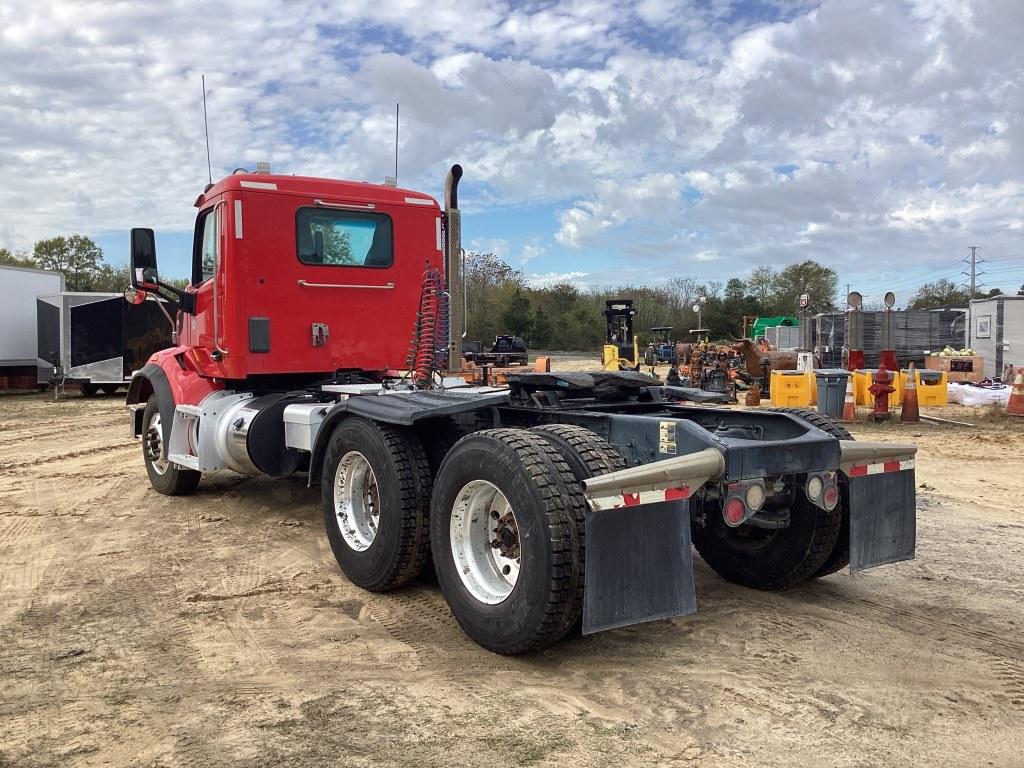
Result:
[{"x": 171, "y": 377}]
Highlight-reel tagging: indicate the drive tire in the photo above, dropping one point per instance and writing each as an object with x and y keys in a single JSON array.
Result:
[
  {"x": 772, "y": 560},
  {"x": 399, "y": 468},
  {"x": 166, "y": 478},
  {"x": 546, "y": 599},
  {"x": 839, "y": 558},
  {"x": 588, "y": 455}
]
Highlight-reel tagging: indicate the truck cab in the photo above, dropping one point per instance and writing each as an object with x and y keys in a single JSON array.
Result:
[{"x": 295, "y": 275}]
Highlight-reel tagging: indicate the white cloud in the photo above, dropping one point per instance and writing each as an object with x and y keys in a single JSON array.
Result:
[
  {"x": 651, "y": 129},
  {"x": 531, "y": 251}
]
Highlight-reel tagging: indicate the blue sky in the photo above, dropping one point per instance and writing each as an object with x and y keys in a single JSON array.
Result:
[{"x": 604, "y": 143}]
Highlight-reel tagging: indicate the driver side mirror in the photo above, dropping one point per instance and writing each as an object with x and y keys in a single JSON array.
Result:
[{"x": 143, "y": 259}]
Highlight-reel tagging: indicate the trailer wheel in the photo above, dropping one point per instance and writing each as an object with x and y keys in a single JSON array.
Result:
[
  {"x": 840, "y": 555},
  {"x": 505, "y": 540},
  {"x": 109, "y": 389},
  {"x": 769, "y": 559},
  {"x": 166, "y": 478},
  {"x": 588, "y": 455},
  {"x": 89, "y": 389},
  {"x": 376, "y": 492}
]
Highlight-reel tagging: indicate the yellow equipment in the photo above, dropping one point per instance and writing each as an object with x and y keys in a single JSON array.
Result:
[{"x": 620, "y": 352}]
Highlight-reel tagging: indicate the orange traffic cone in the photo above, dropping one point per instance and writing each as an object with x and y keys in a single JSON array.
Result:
[
  {"x": 850, "y": 406},
  {"x": 1015, "y": 406},
  {"x": 910, "y": 414}
]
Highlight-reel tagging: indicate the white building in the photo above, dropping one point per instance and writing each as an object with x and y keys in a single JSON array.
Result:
[{"x": 996, "y": 332}]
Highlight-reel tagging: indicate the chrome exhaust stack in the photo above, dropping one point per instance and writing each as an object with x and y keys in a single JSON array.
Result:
[{"x": 454, "y": 268}]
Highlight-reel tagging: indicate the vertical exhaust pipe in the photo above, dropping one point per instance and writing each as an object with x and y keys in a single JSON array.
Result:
[{"x": 453, "y": 268}]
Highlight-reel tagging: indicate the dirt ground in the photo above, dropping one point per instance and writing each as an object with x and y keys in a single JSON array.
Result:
[{"x": 216, "y": 630}]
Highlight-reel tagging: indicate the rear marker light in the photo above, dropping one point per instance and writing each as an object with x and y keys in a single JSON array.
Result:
[
  {"x": 814, "y": 488},
  {"x": 734, "y": 511},
  {"x": 755, "y": 496}
]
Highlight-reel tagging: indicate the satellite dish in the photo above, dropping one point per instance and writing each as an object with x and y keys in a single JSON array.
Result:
[
  {"x": 890, "y": 299},
  {"x": 854, "y": 299}
]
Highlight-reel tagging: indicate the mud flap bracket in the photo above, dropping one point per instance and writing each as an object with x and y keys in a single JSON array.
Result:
[
  {"x": 639, "y": 565},
  {"x": 883, "y": 519}
]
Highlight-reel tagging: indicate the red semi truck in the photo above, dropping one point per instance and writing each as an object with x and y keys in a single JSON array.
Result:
[{"x": 315, "y": 338}]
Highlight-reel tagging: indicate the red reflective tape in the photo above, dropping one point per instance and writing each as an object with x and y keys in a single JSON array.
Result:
[
  {"x": 631, "y": 499},
  {"x": 891, "y": 466},
  {"x": 672, "y": 494},
  {"x": 859, "y": 470}
]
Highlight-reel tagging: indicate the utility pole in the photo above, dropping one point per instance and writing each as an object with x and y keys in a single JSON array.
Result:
[
  {"x": 972, "y": 263},
  {"x": 974, "y": 271}
]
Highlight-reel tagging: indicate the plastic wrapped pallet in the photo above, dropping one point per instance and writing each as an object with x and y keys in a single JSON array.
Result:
[{"x": 970, "y": 395}]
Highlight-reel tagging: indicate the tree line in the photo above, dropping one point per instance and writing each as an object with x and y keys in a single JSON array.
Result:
[
  {"x": 564, "y": 316},
  {"x": 78, "y": 257}
]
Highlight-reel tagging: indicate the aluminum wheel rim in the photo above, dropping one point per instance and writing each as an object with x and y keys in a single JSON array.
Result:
[
  {"x": 153, "y": 445},
  {"x": 485, "y": 542},
  {"x": 356, "y": 501}
]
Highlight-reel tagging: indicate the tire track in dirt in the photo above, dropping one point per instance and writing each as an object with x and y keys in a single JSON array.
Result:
[
  {"x": 1011, "y": 674},
  {"x": 14, "y": 529},
  {"x": 71, "y": 455},
  {"x": 993, "y": 642}
]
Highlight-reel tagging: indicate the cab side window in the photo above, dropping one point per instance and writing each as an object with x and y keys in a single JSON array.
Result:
[
  {"x": 343, "y": 238},
  {"x": 206, "y": 246}
]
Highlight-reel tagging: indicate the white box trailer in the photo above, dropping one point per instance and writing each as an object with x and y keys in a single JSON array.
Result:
[
  {"x": 19, "y": 287},
  {"x": 996, "y": 332}
]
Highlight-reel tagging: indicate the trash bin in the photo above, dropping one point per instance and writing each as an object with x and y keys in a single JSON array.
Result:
[{"x": 831, "y": 390}]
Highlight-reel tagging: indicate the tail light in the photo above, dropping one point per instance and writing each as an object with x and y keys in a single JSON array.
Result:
[
  {"x": 822, "y": 490},
  {"x": 734, "y": 511},
  {"x": 742, "y": 501}
]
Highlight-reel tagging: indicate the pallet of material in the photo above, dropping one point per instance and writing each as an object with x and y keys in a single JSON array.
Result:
[{"x": 958, "y": 367}]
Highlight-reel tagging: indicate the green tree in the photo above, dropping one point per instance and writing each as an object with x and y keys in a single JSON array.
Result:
[
  {"x": 9, "y": 259},
  {"x": 809, "y": 277},
  {"x": 761, "y": 283},
  {"x": 111, "y": 279},
  {"x": 78, "y": 257},
  {"x": 941, "y": 293}
]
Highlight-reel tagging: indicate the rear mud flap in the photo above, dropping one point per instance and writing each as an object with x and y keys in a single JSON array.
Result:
[
  {"x": 639, "y": 565},
  {"x": 883, "y": 519}
]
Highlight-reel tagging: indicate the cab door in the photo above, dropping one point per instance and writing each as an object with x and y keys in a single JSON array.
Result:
[{"x": 209, "y": 285}]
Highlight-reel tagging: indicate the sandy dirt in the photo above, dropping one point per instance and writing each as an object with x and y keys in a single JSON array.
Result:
[{"x": 140, "y": 630}]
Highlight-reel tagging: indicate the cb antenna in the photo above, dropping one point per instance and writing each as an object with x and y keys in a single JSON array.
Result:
[
  {"x": 396, "y": 143},
  {"x": 206, "y": 130}
]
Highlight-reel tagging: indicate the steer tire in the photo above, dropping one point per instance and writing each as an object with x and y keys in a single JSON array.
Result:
[
  {"x": 769, "y": 559},
  {"x": 839, "y": 558},
  {"x": 399, "y": 545},
  {"x": 546, "y": 599},
  {"x": 166, "y": 478}
]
